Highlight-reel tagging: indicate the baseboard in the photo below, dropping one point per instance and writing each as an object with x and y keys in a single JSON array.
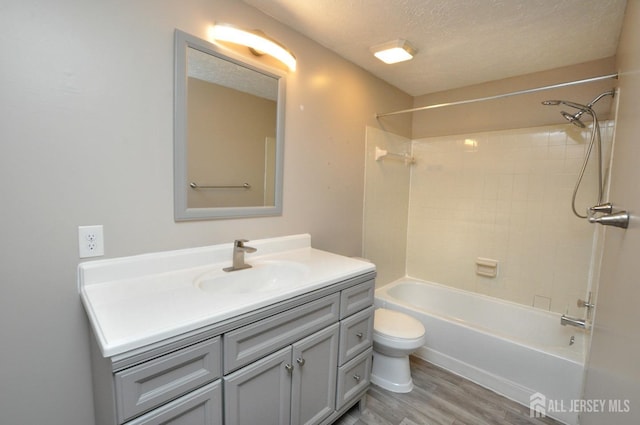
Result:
[{"x": 497, "y": 384}]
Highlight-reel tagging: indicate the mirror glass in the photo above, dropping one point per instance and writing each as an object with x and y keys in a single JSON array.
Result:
[{"x": 229, "y": 119}]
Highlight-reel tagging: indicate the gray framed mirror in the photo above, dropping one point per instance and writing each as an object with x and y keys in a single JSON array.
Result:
[{"x": 228, "y": 133}]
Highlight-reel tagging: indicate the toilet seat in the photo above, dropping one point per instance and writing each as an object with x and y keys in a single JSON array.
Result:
[{"x": 395, "y": 325}]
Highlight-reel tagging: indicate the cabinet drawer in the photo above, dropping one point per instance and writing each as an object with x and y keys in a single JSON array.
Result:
[
  {"x": 254, "y": 341},
  {"x": 356, "y": 298},
  {"x": 356, "y": 334},
  {"x": 148, "y": 385},
  {"x": 201, "y": 407},
  {"x": 353, "y": 378}
]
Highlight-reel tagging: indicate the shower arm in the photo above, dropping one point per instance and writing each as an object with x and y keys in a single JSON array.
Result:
[
  {"x": 589, "y": 106},
  {"x": 600, "y": 96}
]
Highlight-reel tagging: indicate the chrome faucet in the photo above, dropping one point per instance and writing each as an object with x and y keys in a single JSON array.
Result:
[
  {"x": 239, "y": 248},
  {"x": 572, "y": 321}
]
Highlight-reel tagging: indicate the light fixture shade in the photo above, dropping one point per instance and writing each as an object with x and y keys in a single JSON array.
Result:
[
  {"x": 394, "y": 51},
  {"x": 253, "y": 40}
]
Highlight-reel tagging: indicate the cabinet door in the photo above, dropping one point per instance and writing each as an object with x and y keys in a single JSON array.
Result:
[
  {"x": 261, "y": 392},
  {"x": 313, "y": 392},
  {"x": 200, "y": 407}
]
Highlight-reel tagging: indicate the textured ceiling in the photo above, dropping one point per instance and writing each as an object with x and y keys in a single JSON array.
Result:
[
  {"x": 213, "y": 69},
  {"x": 459, "y": 42}
]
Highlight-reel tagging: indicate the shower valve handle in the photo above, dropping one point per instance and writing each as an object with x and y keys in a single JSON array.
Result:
[
  {"x": 585, "y": 304},
  {"x": 608, "y": 217},
  {"x": 619, "y": 219},
  {"x": 606, "y": 208}
]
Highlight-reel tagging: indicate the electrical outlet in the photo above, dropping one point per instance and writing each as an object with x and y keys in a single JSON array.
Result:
[{"x": 90, "y": 241}]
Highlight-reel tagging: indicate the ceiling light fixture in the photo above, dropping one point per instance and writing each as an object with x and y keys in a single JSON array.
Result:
[
  {"x": 394, "y": 51},
  {"x": 255, "y": 41}
]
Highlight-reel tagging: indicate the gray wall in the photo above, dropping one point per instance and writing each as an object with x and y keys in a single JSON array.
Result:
[
  {"x": 86, "y": 91},
  {"x": 613, "y": 370}
]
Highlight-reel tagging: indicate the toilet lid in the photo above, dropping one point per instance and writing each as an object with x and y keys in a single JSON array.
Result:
[{"x": 397, "y": 324}]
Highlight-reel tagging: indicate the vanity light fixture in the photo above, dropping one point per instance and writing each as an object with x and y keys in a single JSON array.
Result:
[
  {"x": 258, "y": 43},
  {"x": 394, "y": 51}
]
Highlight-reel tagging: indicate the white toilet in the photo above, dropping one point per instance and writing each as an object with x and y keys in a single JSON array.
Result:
[{"x": 395, "y": 336}]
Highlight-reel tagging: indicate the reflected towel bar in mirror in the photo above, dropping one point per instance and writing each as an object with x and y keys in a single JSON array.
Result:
[{"x": 194, "y": 185}]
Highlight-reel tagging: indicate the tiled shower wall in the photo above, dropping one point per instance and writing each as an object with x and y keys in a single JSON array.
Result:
[{"x": 505, "y": 196}]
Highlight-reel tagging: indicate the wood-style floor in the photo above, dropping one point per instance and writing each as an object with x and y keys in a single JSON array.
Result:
[{"x": 439, "y": 398}]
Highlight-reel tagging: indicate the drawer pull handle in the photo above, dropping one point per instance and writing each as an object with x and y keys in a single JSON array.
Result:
[
  {"x": 300, "y": 361},
  {"x": 357, "y": 377},
  {"x": 360, "y": 335},
  {"x": 289, "y": 368}
]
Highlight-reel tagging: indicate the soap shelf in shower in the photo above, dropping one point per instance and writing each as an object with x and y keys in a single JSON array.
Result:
[
  {"x": 486, "y": 267},
  {"x": 384, "y": 154}
]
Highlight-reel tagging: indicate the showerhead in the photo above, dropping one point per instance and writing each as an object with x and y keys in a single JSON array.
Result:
[{"x": 573, "y": 119}]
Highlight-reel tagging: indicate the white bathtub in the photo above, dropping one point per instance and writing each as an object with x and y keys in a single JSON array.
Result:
[{"x": 512, "y": 349}]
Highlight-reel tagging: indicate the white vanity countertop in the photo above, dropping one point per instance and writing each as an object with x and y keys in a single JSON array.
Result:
[{"x": 135, "y": 301}]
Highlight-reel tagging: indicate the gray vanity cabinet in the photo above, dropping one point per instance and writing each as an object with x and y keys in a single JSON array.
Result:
[
  {"x": 302, "y": 361},
  {"x": 291, "y": 386}
]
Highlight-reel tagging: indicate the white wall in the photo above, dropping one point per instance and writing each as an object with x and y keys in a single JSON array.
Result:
[{"x": 86, "y": 125}]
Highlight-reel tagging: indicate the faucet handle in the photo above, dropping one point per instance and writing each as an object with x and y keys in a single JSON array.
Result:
[
  {"x": 605, "y": 208},
  {"x": 239, "y": 244}
]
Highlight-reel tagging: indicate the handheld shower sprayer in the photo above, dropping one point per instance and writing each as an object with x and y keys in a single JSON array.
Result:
[{"x": 573, "y": 118}]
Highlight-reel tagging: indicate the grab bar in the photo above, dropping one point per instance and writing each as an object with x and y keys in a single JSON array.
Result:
[{"x": 194, "y": 185}]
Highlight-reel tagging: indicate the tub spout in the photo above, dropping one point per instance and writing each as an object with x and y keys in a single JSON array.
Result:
[{"x": 578, "y": 323}]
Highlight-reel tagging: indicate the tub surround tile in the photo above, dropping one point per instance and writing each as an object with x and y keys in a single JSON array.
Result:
[
  {"x": 543, "y": 303},
  {"x": 495, "y": 202}
]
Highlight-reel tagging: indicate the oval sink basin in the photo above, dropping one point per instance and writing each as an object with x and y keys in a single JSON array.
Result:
[{"x": 263, "y": 276}]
